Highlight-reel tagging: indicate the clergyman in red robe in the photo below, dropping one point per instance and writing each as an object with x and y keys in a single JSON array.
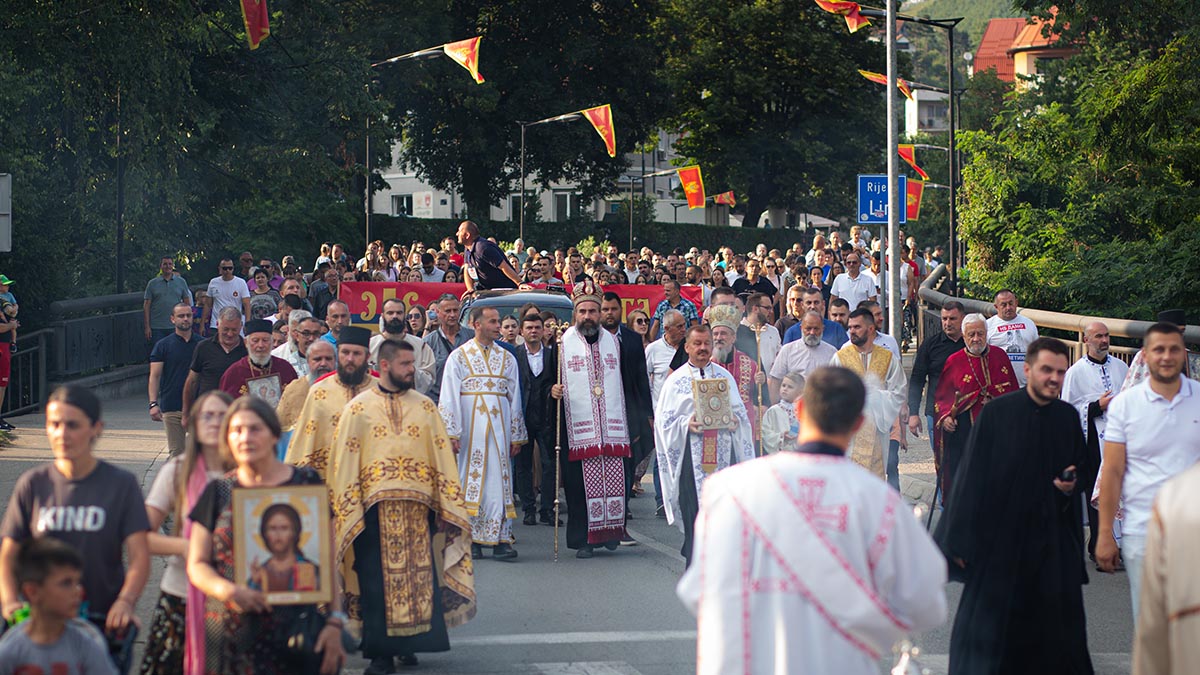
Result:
[{"x": 971, "y": 377}]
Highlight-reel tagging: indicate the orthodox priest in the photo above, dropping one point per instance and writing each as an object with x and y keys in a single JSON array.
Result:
[
  {"x": 724, "y": 321},
  {"x": 883, "y": 376},
  {"x": 1014, "y": 534},
  {"x": 972, "y": 376},
  {"x": 840, "y": 572},
  {"x": 480, "y": 402},
  {"x": 312, "y": 436},
  {"x": 594, "y": 427},
  {"x": 258, "y": 373},
  {"x": 402, "y": 534},
  {"x": 687, "y": 452},
  {"x": 320, "y": 363}
]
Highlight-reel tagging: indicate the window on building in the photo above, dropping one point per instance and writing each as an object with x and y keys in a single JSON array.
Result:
[
  {"x": 566, "y": 206},
  {"x": 402, "y": 205}
]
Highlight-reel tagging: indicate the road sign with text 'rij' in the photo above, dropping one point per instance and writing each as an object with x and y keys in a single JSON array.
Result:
[{"x": 873, "y": 199}]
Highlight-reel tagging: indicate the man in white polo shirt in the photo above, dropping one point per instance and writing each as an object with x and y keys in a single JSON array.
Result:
[
  {"x": 1152, "y": 435},
  {"x": 1011, "y": 332},
  {"x": 853, "y": 285}
]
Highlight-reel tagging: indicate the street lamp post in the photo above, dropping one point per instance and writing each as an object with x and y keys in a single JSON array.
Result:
[
  {"x": 569, "y": 117},
  {"x": 947, "y": 25},
  {"x": 422, "y": 54},
  {"x": 642, "y": 178}
]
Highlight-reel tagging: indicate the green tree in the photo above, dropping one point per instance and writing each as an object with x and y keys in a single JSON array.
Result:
[
  {"x": 771, "y": 102},
  {"x": 540, "y": 58}
]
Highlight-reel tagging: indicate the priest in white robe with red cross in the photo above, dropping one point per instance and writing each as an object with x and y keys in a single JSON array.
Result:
[
  {"x": 689, "y": 453},
  {"x": 805, "y": 562},
  {"x": 594, "y": 432}
]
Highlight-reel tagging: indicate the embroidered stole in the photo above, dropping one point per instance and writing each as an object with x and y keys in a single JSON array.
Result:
[{"x": 865, "y": 449}]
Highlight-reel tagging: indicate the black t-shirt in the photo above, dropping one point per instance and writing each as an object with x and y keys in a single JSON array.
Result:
[
  {"x": 744, "y": 288},
  {"x": 483, "y": 261},
  {"x": 210, "y": 361},
  {"x": 176, "y": 356},
  {"x": 95, "y": 514}
]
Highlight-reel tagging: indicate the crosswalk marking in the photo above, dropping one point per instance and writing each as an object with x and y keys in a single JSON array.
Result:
[
  {"x": 573, "y": 638},
  {"x": 586, "y": 668}
]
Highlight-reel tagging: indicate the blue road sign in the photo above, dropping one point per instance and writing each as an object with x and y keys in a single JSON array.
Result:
[{"x": 873, "y": 199}]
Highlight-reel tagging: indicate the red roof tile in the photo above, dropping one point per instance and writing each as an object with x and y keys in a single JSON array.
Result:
[{"x": 993, "y": 48}]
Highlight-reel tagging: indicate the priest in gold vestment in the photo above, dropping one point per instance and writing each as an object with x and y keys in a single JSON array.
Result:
[
  {"x": 402, "y": 535},
  {"x": 312, "y": 432},
  {"x": 883, "y": 375}
]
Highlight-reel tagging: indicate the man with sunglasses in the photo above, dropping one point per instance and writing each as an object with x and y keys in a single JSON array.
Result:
[
  {"x": 852, "y": 285},
  {"x": 224, "y": 291}
]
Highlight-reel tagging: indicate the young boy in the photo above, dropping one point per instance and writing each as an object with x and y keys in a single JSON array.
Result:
[
  {"x": 780, "y": 424},
  {"x": 53, "y": 639}
]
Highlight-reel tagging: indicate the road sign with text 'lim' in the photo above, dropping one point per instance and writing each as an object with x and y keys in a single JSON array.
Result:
[{"x": 873, "y": 199}]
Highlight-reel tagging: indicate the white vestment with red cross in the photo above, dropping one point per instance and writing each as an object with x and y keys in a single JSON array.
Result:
[{"x": 807, "y": 563}]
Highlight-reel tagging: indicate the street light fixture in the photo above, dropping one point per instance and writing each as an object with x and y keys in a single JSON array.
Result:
[
  {"x": 947, "y": 25},
  {"x": 568, "y": 117},
  {"x": 421, "y": 55},
  {"x": 631, "y": 180}
]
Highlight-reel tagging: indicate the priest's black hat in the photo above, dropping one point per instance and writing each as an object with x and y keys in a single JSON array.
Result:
[
  {"x": 353, "y": 335},
  {"x": 1174, "y": 316},
  {"x": 258, "y": 326}
]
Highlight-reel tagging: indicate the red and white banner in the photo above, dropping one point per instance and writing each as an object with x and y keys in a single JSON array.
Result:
[{"x": 366, "y": 298}]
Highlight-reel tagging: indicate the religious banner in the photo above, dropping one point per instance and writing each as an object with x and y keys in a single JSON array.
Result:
[
  {"x": 366, "y": 298},
  {"x": 601, "y": 119},
  {"x": 848, "y": 10},
  {"x": 880, "y": 78},
  {"x": 282, "y": 545},
  {"x": 727, "y": 198},
  {"x": 916, "y": 190},
  {"x": 466, "y": 54},
  {"x": 693, "y": 186},
  {"x": 257, "y": 20},
  {"x": 908, "y": 153}
]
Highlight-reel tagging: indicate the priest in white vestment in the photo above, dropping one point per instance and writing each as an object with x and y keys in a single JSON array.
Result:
[
  {"x": 804, "y": 561},
  {"x": 883, "y": 375},
  {"x": 480, "y": 403},
  {"x": 688, "y": 454},
  {"x": 1090, "y": 385}
]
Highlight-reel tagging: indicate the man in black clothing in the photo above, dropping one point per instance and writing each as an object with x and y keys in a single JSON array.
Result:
[
  {"x": 927, "y": 366},
  {"x": 213, "y": 357},
  {"x": 636, "y": 383},
  {"x": 485, "y": 266},
  {"x": 1013, "y": 535},
  {"x": 538, "y": 371},
  {"x": 754, "y": 282}
]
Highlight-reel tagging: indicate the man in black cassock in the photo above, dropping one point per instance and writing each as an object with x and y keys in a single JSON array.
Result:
[{"x": 1015, "y": 535}]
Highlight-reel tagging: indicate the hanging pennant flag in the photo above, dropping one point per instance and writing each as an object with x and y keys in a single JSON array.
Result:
[
  {"x": 466, "y": 54},
  {"x": 880, "y": 78},
  {"x": 725, "y": 198},
  {"x": 693, "y": 186},
  {"x": 909, "y": 154},
  {"x": 601, "y": 118},
  {"x": 916, "y": 189},
  {"x": 849, "y": 10},
  {"x": 257, "y": 20}
]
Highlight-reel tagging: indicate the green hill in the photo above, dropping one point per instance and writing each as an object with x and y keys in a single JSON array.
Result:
[{"x": 975, "y": 13}]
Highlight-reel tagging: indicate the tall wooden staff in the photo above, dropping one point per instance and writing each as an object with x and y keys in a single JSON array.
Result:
[
  {"x": 758, "y": 387},
  {"x": 558, "y": 335}
]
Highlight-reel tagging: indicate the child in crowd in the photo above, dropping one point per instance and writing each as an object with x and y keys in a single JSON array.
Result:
[
  {"x": 780, "y": 425},
  {"x": 53, "y": 639}
]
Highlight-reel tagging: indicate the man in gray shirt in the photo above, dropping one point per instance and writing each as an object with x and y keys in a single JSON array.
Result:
[
  {"x": 162, "y": 294},
  {"x": 448, "y": 337}
]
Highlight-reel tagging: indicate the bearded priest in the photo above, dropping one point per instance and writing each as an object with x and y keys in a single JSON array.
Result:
[
  {"x": 595, "y": 428},
  {"x": 724, "y": 321},
  {"x": 312, "y": 435},
  {"x": 884, "y": 377},
  {"x": 971, "y": 377},
  {"x": 687, "y": 452}
]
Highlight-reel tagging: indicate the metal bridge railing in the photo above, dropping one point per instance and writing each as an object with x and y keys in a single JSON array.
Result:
[{"x": 1057, "y": 324}]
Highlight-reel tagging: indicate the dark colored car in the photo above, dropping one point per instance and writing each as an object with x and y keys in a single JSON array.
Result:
[{"x": 508, "y": 302}]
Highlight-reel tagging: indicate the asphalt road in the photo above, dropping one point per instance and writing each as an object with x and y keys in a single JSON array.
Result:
[{"x": 615, "y": 614}]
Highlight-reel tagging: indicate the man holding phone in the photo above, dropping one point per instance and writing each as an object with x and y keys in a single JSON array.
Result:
[{"x": 1011, "y": 532}]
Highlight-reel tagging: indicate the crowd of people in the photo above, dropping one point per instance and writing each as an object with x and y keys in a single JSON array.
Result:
[{"x": 770, "y": 415}]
